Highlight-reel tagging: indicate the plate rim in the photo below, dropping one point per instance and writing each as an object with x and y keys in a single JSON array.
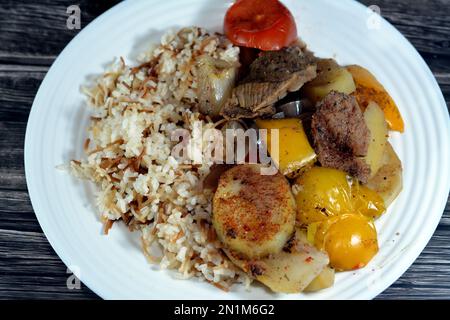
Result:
[{"x": 401, "y": 266}]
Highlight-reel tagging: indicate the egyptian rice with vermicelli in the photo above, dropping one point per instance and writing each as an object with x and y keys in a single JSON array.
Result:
[{"x": 128, "y": 155}]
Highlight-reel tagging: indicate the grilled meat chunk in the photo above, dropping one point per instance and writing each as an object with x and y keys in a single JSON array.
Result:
[
  {"x": 341, "y": 136},
  {"x": 272, "y": 75},
  {"x": 277, "y": 66},
  {"x": 234, "y": 112}
]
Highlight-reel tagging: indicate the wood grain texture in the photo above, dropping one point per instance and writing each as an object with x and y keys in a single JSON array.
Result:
[
  {"x": 33, "y": 33},
  {"x": 19, "y": 86},
  {"x": 27, "y": 25},
  {"x": 424, "y": 23},
  {"x": 30, "y": 269}
]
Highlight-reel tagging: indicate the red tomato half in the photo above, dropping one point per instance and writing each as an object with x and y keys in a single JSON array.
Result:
[{"x": 261, "y": 24}]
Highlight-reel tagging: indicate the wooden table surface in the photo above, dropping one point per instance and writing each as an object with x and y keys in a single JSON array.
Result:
[{"x": 33, "y": 33}]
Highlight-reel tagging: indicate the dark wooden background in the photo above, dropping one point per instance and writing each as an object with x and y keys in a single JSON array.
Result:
[{"x": 33, "y": 33}]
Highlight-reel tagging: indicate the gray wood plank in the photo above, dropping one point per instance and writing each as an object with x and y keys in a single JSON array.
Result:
[
  {"x": 27, "y": 25},
  {"x": 31, "y": 269},
  {"x": 40, "y": 267},
  {"x": 12, "y": 175},
  {"x": 16, "y": 211},
  {"x": 18, "y": 86},
  {"x": 33, "y": 33},
  {"x": 424, "y": 23}
]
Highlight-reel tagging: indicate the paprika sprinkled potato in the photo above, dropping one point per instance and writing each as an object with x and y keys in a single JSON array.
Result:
[{"x": 253, "y": 214}]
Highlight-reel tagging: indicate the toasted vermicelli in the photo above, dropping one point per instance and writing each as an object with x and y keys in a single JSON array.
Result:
[{"x": 128, "y": 155}]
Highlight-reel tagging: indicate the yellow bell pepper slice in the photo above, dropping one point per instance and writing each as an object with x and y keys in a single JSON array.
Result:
[
  {"x": 368, "y": 88},
  {"x": 294, "y": 150}
]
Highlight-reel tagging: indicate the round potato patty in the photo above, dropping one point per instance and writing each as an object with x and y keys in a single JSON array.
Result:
[{"x": 253, "y": 214}]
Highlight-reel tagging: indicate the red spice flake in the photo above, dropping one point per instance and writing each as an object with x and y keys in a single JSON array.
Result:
[
  {"x": 359, "y": 266},
  {"x": 309, "y": 259}
]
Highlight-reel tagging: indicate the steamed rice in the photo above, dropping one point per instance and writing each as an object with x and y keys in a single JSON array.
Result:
[{"x": 134, "y": 111}]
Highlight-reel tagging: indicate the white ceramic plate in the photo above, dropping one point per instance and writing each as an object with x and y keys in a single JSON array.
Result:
[{"x": 113, "y": 266}]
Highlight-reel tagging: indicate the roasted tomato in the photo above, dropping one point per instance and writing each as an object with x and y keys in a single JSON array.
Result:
[
  {"x": 261, "y": 24},
  {"x": 349, "y": 239}
]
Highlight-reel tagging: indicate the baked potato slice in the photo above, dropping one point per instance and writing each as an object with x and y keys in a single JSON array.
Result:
[
  {"x": 331, "y": 79},
  {"x": 375, "y": 121},
  {"x": 388, "y": 181},
  {"x": 253, "y": 214},
  {"x": 291, "y": 270},
  {"x": 324, "y": 280}
]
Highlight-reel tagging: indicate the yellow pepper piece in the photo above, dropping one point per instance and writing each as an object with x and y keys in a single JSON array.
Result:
[
  {"x": 368, "y": 88},
  {"x": 295, "y": 151},
  {"x": 367, "y": 201},
  {"x": 322, "y": 193},
  {"x": 339, "y": 213}
]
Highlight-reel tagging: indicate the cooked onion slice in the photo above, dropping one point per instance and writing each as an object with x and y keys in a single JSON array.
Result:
[{"x": 216, "y": 80}]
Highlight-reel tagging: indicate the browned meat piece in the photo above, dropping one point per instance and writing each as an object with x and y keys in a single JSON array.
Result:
[
  {"x": 272, "y": 75},
  {"x": 277, "y": 66},
  {"x": 235, "y": 112},
  {"x": 343, "y": 120},
  {"x": 341, "y": 137}
]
